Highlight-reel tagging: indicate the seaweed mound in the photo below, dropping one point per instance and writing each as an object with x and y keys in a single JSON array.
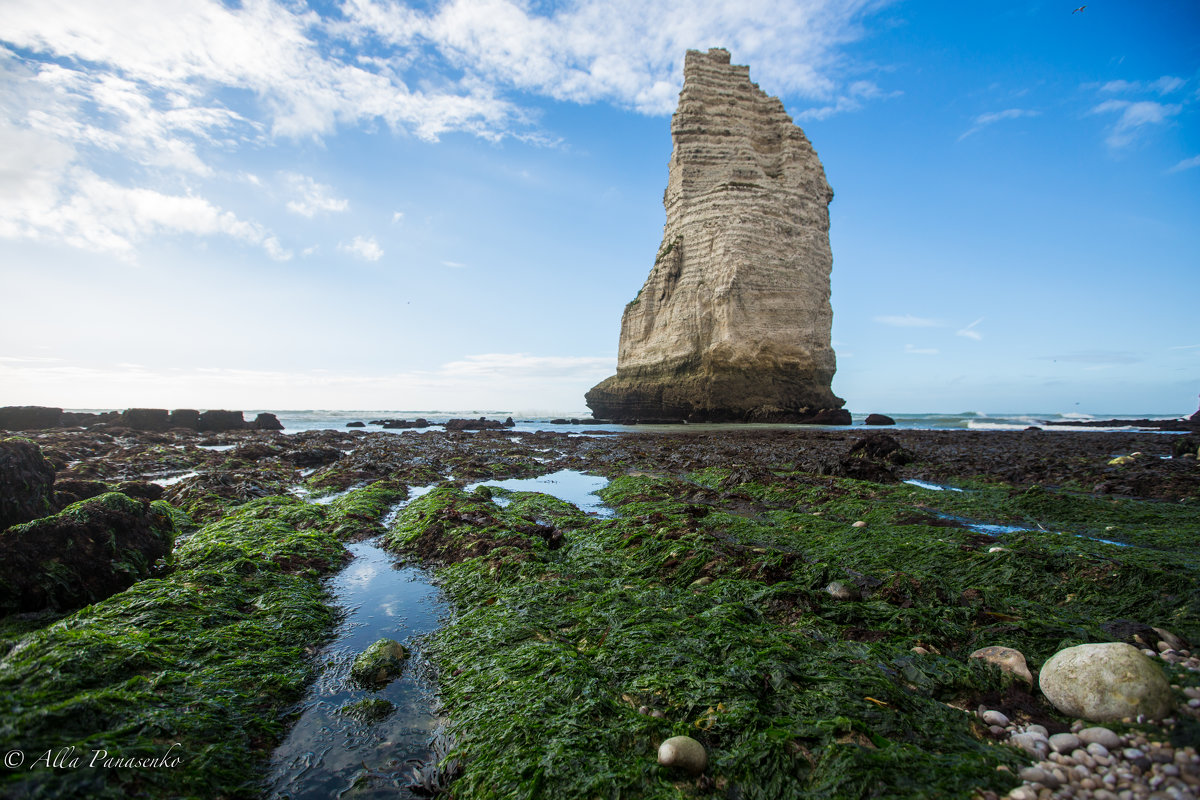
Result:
[{"x": 88, "y": 551}]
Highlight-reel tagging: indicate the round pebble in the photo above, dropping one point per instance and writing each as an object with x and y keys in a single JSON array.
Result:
[
  {"x": 1097, "y": 749},
  {"x": 1064, "y": 742},
  {"x": 995, "y": 718},
  {"x": 859, "y": 524},
  {"x": 683, "y": 752},
  {"x": 1099, "y": 735}
]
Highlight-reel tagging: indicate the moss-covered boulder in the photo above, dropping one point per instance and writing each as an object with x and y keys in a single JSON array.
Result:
[
  {"x": 380, "y": 663},
  {"x": 88, "y": 551},
  {"x": 26, "y": 482}
]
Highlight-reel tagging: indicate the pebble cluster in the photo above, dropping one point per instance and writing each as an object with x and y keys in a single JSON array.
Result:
[{"x": 1097, "y": 763}]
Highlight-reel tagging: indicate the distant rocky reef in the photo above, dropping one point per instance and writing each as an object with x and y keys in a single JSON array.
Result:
[
  {"x": 32, "y": 418},
  {"x": 733, "y": 323}
]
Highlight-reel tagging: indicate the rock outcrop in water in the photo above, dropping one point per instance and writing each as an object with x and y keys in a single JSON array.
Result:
[{"x": 733, "y": 322}]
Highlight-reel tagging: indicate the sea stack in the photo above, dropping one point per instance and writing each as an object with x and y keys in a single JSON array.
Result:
[{"x": 733, "y": 323}]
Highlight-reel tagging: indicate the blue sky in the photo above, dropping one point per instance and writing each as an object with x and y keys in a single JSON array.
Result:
[{"x": 446, "y": 205}]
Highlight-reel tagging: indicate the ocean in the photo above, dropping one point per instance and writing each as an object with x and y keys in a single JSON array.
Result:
[{"x": 295, "y": 421}]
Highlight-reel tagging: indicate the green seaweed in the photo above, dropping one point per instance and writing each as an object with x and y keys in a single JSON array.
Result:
[
  {"x": 204, "y": 663},
  {"x": 704, "y": 604}
]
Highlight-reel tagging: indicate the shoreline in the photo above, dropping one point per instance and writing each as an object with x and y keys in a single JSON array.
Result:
[{"x": 728, "y": 538}]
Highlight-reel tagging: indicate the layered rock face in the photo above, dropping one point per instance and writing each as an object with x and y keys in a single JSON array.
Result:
[{"x": 733, "y": 322}]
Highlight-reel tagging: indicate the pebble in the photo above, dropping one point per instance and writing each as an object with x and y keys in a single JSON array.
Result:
[
  {"x": 683, "y": 752},
  {"x": 1099, "y": 735},
  {"x": 859, "y": 524},
  {"x": 1064, "y": 742},
  {"x": 995, "y": 718},
  {"x": 1129, "y": 766}
]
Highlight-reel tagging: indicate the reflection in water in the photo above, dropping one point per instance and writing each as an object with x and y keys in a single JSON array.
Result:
[
  {"x": 329, "y": 753},
  {"x": 568, "y": 485}
]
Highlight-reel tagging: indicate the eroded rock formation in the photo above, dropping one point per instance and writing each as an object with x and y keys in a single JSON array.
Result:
[{"x": 733, "y": 322}]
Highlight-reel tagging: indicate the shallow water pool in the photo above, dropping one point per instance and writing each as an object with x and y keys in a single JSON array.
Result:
[{"x": 329, "y": 753}]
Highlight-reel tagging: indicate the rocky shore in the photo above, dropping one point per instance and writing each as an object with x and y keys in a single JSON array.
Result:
[{"x": 781, "y": 597}]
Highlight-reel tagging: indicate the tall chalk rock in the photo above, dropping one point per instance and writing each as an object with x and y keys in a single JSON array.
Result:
[{"x": 733, "y": 323}]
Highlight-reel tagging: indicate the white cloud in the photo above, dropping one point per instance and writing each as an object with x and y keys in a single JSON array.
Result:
[
  {"x": 1164, "y": 85},
  {"x": 397, "y": 217},
  {"x": 992, "y": 117},
  {"x": 1134, "y": 117},
  {"x": 625, "y": 51},
  {"x": 365, "y": 248},
  {"x": 909, "y": 321},
  {"x": 851, "y": 99},
  {"x": 920, "y": 351},
  {"x": 313, "y": 197},
  {"x": 970, "y": 332},
  {"x": 1187, "y": 163},
  {"x": 142, "y": 95},
  {"x": 453, "y": 264}
]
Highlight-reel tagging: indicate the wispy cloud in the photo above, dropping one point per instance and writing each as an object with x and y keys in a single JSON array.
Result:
[
  {"x": 970, "y": 332},
  {"x": 312, "y": 197},
  {"x": 363, "y": 247},
  {"x": 1187, "y": 163},
  {"x": 992, "y": 117},
  {"x": 909, "y": 321},
  {"x": 852, "y": 98},
  {"x": 920, "y": 351},
  {"x": 1164, "y": 85},
  {"x": 453, "y": 264},
  {"x": 1134, "y": 117}
]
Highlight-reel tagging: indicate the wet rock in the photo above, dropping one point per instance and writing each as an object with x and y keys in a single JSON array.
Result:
[
  {"x": 146, "y": 419},
  {"x": 266, "y": 422},
  {"x": 369, "y": 710},
  {"x": 1007, "y": 659},
  {"x": 220, "y": 420},
  {"x": 26, "y": 482},
  {"x": 88, "y": 551},
  {"x": 481, "y": 424},
  {"x": 1101, "y": 682},
  {"x": 380, "y": 663},
  {"x": 358, "y": 424},
  {"x": 141, "y": 490},
  {"x": 878, "y": 419},
  {"x": 1132, "y": 632},
  {"x": 185, "y": 418},
  {"x": 683, "y": 753},
  {"x": 508, "y": 423},
  {"x": 311, "y": 456},
  {"x": 72, "y": 490},
  {"x": 1173, "y": 641},
  {"x": 29, "y": 418},
  {"x": 839, "y": 590}
]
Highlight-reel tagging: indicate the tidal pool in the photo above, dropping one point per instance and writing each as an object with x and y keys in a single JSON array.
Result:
[
  {"x": 568, "y": 485},
  {"x": 332, "y": 753}
]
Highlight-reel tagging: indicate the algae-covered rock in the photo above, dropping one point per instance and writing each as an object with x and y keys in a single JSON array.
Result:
[
  {"x": 380, "y": 663},
  {"x": 1007, "y": 659},
  {"x": 26, "y": 482},
  {"x": 684, "y": 753},
  {"x": 85, "y": 553},
  {"x": 369, "y": 709},
  {"x": 1102, "y": 682}
]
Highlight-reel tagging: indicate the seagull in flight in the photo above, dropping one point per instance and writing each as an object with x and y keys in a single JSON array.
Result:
[{"x": 1081, "y": 8}]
